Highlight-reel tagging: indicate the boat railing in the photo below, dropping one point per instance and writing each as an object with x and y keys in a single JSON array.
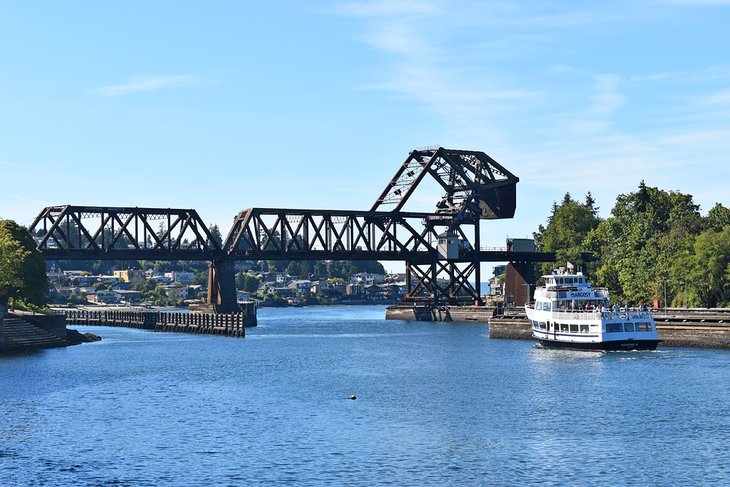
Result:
[
  {"x": 597, "y": 314},
  {"x": 627, "y": 314},
  {"x": 577, "y": 315}
]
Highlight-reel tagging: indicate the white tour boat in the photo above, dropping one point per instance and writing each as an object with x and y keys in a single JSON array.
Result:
[{"x": 568, "y": 313}]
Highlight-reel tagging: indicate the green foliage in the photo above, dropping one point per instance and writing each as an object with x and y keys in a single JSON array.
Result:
[
  {"x": 567, "y": 229},
  {"x": 275, "y": 300},
  {"x": 709, "y": 268},
  {"x": 154, "y": 292},
  {"x": 22, "y": 266},
  {"x": 718, "y": 217},
  {"x": 641, "y": 243},
  {"x": 247, "y": 282},
  {"x": 215, "y": 232},
  {"x": 655, "y": 245}
]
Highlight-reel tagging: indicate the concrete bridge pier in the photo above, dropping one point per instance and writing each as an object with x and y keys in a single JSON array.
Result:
[
  {"x": 519, "y": 283},
  {"x": 222, "y": 286}
]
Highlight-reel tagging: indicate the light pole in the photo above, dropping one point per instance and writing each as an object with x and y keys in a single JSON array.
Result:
[
  {"x": 685, "y": 292},
  {"x": 665, "y": 281}
]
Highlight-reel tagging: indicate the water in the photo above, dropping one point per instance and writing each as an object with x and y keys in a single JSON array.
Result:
[{"x": 437, "y": 404}]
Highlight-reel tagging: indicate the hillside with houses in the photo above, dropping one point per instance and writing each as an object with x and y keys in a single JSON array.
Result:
[{"x": 160, "y": 286}]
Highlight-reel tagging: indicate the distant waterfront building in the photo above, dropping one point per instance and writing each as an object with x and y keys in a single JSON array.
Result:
[
  {"x": 128, "y": 296},
  {"x": 181, "y": 277},
  {"x": 132, "y": 276},
  {"x": 496, "y": 283},
  {"x": 367, "y": 278}
]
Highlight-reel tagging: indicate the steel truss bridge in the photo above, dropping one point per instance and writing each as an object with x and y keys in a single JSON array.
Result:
[{"x": 441, "y": 249}]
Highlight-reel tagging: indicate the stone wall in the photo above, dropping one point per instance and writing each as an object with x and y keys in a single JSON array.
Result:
[{"x": 55, "y": 324}]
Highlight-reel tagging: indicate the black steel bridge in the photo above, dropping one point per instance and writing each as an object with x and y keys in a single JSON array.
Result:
[{"x": 441, "y": 249}]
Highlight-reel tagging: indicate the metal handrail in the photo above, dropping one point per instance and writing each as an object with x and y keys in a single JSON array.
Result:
[{"x": 623, "y": 314}]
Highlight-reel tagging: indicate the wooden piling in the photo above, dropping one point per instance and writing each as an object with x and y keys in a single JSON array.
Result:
[{"x": 224, "y": 324}]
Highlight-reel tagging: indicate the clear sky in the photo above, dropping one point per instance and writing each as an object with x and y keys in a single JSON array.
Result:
[{"x": 221, "y": 106}]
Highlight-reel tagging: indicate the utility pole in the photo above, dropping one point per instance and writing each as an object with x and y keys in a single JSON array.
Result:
[{"x": 665, "y": 281}]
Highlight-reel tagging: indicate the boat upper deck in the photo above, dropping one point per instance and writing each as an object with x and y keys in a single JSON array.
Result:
[{"x": 563, "y": 286}]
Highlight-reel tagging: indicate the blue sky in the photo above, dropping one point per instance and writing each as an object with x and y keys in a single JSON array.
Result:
[{"x": 221, "y": 106}]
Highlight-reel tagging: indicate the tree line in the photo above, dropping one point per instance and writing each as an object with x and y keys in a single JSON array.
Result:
[{"x": 655, "y": 245}]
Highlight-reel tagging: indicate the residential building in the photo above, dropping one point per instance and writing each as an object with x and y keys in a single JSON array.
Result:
[
  {"x": 132, "y": 276},
  {"x": 181, "y": 277}
]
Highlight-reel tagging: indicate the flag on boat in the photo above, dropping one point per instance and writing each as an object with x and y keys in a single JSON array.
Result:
[{"x": 570, "y": 266}]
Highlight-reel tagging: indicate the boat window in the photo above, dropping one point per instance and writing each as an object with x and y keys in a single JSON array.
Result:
[
  {"x": 643, "y": 327},
  {"x": 546, "y": 307},
  {"x": 614, "y": 328},
  {"x": 574, "y": 328},
  {"x": 563, "y": 327},
  {"x": 628, "y": 327},
  {"x": 538, "y": 305},
  {"x": 543, "y": 326},
  {"x": 584, "y": 328}
]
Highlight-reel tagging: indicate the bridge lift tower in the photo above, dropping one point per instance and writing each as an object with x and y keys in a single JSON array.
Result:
[
  {"x": 441, "y": 248},
  {"x": 475, "y": 187}
]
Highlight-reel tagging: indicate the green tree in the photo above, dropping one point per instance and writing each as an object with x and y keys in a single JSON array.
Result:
[
  {"x": 640, "y": 244},
  {"x": 568, "y": 227},
  {"x": 709, "y": 268},
  {"x": 718, "y": 217},
  {"x": 247, "y": 282},
  {"x": 251, "y": 283},
  {"x": 215, "y": 232},
  {"x": 22, "y": 266}
]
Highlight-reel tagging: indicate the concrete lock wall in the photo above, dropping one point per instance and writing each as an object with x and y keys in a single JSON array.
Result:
[{"x": 55, "y": 324}]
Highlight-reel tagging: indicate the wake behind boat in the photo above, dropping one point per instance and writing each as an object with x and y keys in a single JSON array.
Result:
[{"x": 568, "y": 313}]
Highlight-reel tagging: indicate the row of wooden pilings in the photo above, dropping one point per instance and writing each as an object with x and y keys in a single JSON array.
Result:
[{"x": 226, "y": 324}]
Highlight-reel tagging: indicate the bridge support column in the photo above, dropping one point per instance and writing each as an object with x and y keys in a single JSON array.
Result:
[
  {"x": 222, "y": 286},
  {"x": 519, "y": 283}
]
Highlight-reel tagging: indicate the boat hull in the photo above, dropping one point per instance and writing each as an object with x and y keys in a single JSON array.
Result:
[{"x": 614, "y": 345}]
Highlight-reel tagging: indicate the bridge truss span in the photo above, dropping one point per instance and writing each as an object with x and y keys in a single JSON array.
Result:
[
  {"x": 123, "y": 233},
  {"x": 261, "y": 233}
]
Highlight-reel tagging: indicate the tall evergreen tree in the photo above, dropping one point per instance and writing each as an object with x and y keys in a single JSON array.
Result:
[{"x": 568, "y": 226}]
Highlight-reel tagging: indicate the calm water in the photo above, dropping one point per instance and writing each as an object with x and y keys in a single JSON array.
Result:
[{"x": 437, "y": 404}]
